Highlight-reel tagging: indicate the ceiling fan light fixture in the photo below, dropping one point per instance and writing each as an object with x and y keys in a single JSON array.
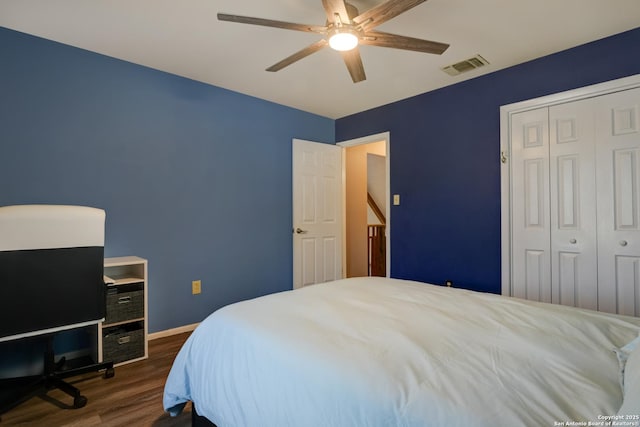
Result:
[
  {"x": 343, "y": 39},
  {"x": 345, "y": 28}
]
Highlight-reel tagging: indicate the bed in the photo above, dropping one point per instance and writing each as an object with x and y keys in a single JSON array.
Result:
[{"x": 389, "y": 352}]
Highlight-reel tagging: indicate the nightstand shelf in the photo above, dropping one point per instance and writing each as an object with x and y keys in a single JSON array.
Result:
[{"x": 122, "y": 337}]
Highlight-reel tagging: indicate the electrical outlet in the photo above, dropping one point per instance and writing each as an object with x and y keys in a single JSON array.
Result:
[{"x": 196, "y": 287}]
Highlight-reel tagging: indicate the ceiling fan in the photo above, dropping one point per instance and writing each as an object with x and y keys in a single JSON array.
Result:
[{"x": 345, "y": 28}]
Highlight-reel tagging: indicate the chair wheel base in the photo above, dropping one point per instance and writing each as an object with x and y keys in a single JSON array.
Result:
[
  {"x": 109, "y": 373},
  {"x": 79, "y": 402}
]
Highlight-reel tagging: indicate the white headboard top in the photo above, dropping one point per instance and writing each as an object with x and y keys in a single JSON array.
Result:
[{"x": 50, "y": 226}]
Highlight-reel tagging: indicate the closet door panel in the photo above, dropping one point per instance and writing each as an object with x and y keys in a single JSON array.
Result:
[
  {"x": 627, "y": 296},
  {"x": 573, "y": 205},
  {"x": 618, "y": 189},
  {"x": 531, "y": 262}
]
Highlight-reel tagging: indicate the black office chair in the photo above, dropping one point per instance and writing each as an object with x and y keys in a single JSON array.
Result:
[{"x": 51, "y": 280}]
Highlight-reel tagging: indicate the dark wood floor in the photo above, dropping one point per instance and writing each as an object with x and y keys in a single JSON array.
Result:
[{"x": 132, "y": 398}]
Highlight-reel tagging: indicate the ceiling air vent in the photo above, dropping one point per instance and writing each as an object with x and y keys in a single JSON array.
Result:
[{"x": 466, "y": 65}]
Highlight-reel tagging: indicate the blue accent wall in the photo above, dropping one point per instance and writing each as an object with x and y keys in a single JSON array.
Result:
[
  {"x": 194, "y": 178},
  {"x": 445, "y": 164}
]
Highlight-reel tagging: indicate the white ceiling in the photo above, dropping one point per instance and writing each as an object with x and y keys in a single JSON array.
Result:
[{"x": 185, "y": 38}]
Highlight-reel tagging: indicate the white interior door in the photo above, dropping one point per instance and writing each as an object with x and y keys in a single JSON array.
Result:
[
  {"x": 530, "y": 210},
  {"x": 593, "y": 164},
  {"x": 555, "y": 247},
  {"x": 317, "y": 213},
  {"x": 574, "y": 260},
  {"x": 618, "y": 155}
]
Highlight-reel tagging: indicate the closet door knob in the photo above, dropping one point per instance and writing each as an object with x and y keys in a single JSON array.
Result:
[
  {"x": 623, "y": 243},
  {"x": 573, "y": 241}
]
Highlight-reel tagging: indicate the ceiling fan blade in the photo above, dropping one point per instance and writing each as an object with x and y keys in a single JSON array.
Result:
[
  {"x": 354, "y": 64},
  {"x": 299, "y": 55},
  {"x": 384, "y": 12},
  {"x": 378, "y": 38},
  {"x": 272, "y": 23},
  {"x": 333, "y": 7}
]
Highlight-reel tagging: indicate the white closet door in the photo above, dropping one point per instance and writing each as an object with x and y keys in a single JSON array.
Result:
[
  {"x": 618, "y": 183},
  {"x": 574, "y": 271},
  {"x": 531, "y": 262}
]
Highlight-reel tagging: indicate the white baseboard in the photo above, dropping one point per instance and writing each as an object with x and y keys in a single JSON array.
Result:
[{"x": 174, "y": 331}]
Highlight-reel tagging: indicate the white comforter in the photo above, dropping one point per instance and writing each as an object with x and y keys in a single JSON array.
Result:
[{"x": 385, "y": 352}]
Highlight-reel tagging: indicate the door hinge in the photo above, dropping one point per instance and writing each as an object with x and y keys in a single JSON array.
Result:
[{"x": 503, "y": 157}]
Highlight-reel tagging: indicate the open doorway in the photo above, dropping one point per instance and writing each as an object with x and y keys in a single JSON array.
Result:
[{"x": 366, "y": 165}]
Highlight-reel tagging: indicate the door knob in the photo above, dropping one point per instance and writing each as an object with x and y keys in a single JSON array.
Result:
[
  {"x": 623, "y": 243},
  {"x": 573, "y": 241},
  {"x": 300, "y": 231}
]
